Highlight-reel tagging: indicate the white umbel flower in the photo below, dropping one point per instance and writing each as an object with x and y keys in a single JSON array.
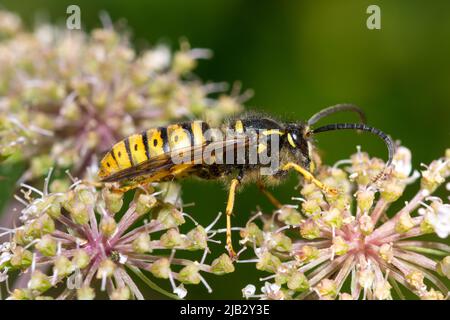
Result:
[{"x": 440, "y": 220}]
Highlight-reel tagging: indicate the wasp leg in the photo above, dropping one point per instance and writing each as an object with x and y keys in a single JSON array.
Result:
[
  {"x": 93, "y": 183},
  {"x": 180, "y": 169},
  {"x": 136, "y": 184},
  {"x": 102, "y": 184},
  {"x": 268, "y": 194},
  {"x": 229, "y": 212},
  {"x": 309, "y": 177}
]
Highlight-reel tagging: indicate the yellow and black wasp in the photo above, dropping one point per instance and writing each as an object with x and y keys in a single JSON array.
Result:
[{"x": 150, "y": 156}]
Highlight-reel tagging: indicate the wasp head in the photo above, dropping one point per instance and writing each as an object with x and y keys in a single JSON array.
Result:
[{"x": 297, "y": 141}]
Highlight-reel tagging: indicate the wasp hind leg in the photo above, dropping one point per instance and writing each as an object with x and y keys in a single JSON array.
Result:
[
  {"x": 262, "y": 188},
  {"x": 143, "y": 183},
  {"x": 117, "y": 189},
  {"x": 229, "y": 211},
  {"x": 309, "y": 177}
]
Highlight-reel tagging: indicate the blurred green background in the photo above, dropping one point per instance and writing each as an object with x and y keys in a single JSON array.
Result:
[{"x": 299, "y": 57}]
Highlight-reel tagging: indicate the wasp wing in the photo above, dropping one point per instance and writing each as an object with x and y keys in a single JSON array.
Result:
[{"x": 178, "y": 160}]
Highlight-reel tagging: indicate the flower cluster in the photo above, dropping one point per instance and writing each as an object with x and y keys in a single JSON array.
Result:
[
  {"x": 67, "y": 96},
  {"x": 82, "y": 242},
  {"x": 350, "y": 246}
]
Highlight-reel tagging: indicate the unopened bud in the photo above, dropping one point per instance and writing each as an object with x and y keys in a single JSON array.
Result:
[
  {"x": 443, "y": 267},
  {"x": 144, "y": 203},
  {"x": 310, "y": 207},
  {"x": 122, "y": 293},
  {"x": 298, "y": 282},
  {"x": 432, "y": 295},
  {"x": 54, "y": 209},
  {"x": 108, "y": 226},
  {"x": 248, "y": 291},
  {"x": 415, "y": 280},
  {"x": 59, "y": 185},
  {"x": 113, "y": 200},
  {"x": 431, "y": 178},
  {"x": 281, "y": 242},
  {"x": 333, "y": 218},
  {"x": 63, "y": 266},
  {"x": 391, "y": 192},
  {"x": 282, "y": 276},
  {"x": 100, "y": 99},
  {"x": 327, "y": 289},
  {"x": 366, "y": 278},
  {"x": 142, "y": 243},
  {"x": 404, "y": 223},
  {"x": 310, "y": 190},
  {"x": 161, "y": 268},
  {"x": 43, "y": 225},
  {"x": 365, "y": 199},
  {"x": 386, "y": 252},
  {"x": 340, "y": 247},
  {"x": 253, "y": 232},
  {"x": 22, "y": 237},
  {"x": 79, "y": 213},
  {"x": 21, "y": 294},
  {"x": 426, "y": 226},
  {"x": 81, "y": 259},
  {"x": 39, "y": 282},
  {"x": 85, "y": 195},
  {"x": 21, "y": 258},
  {"x": 222, "y": 265},
  {"x": 183, "y": 63},
  {"x": 382, "y": 290},
  {"x": 172, "y": 238},
  {"x": 170, "y": 216},
  {"x": 85, "y": 293},
  {"x": 133, "y": 102},
  {"x": 307, "y": 253},
  {"x": 309, "y": 230},
  {"x": 197, "y": 238},
  {"x": 366, "y": 224},
  {"x": 189, "y": 275},
  {"x": 47, "y": 246},
  {"x": 289, "y": 215},
  {"x": 40, "y": 165},
  {"x": 268, "y": 262},
  {"x": 106, "y": 269}
]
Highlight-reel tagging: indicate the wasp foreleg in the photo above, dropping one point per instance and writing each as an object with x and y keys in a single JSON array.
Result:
[
  {"x": 309, "y": 177},
  {"x": 268, "y": 194}
]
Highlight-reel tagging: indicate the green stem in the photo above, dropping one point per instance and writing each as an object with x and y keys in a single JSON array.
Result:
[
  {"x": 425, "y": 250},
  {"x": 151, "y": 284},
  {"x": 397, "y": 288}
]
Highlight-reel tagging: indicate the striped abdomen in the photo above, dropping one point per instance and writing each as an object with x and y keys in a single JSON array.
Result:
[{"x": 141, "y": 147}]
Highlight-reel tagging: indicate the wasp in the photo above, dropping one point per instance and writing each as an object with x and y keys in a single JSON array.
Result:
[{"x": 195, "y": 149}]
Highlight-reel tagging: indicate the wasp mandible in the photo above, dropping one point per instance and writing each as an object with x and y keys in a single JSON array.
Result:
[{"x": 154, "y": 155}]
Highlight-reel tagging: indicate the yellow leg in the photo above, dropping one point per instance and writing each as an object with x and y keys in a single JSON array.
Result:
[
  {"x": 309, "y": 177},
  {"x": 102, "y": 184},
  {"x": 178, "y": 169},
  {"x": 135, "y": 184},
  {"x": 229, "y": 212},
  {"x": 269, "y": 195},
  {"x": 92, "y": 183}
]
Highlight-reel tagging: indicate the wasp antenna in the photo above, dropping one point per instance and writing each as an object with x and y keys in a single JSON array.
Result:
[
  {"x": 337, "y": 108},
  {"x": 360, "y": 126}
]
